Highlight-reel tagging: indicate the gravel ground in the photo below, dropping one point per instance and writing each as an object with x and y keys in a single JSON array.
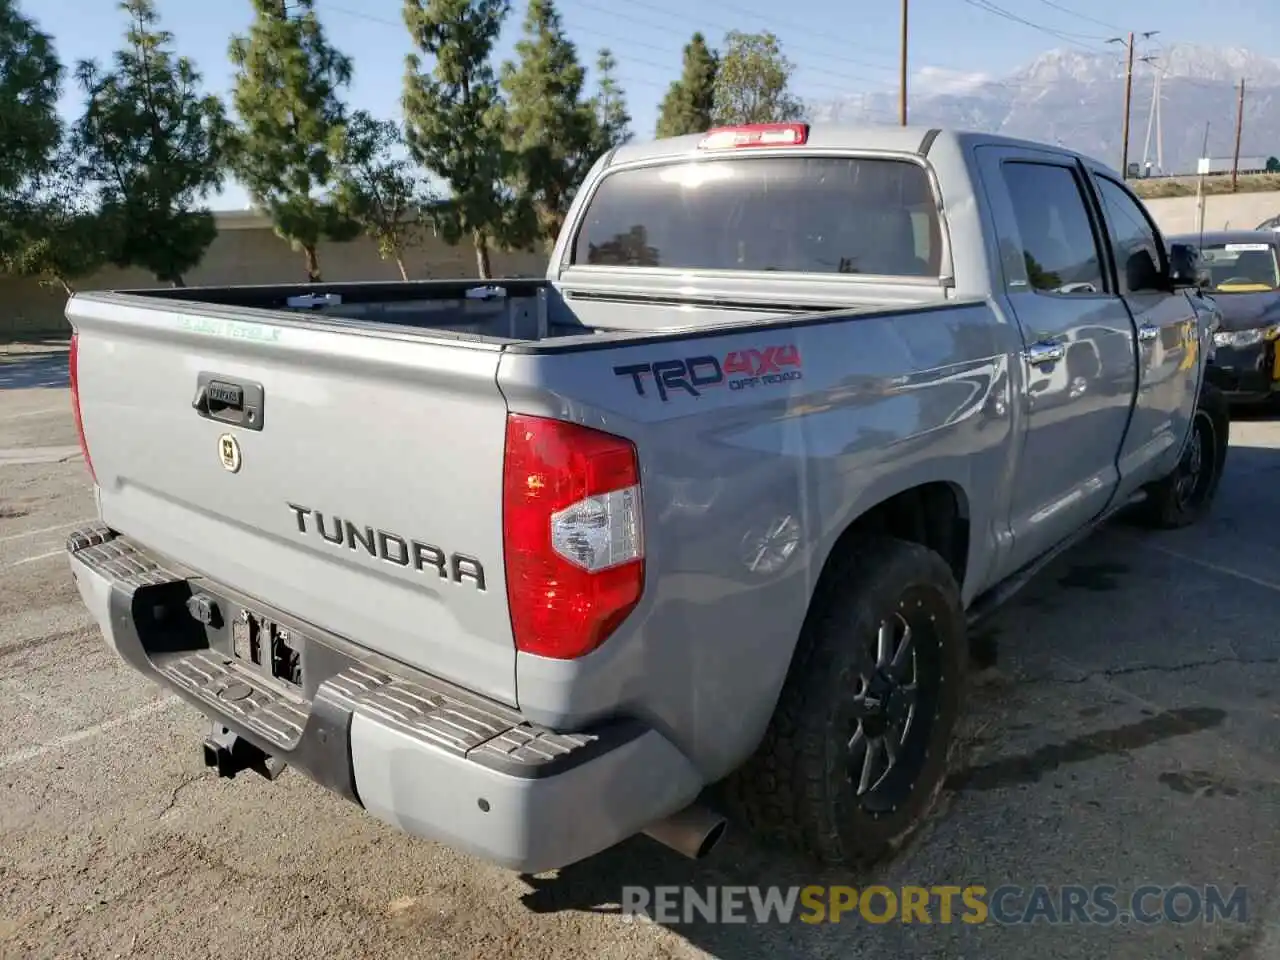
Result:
[{"x": 1127, "y": 734}]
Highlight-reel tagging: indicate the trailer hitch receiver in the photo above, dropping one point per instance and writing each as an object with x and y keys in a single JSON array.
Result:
[{"x": 230, "y": 754}]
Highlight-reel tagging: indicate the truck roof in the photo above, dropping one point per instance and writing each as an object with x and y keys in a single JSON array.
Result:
[{"x": 832, "y": 136}]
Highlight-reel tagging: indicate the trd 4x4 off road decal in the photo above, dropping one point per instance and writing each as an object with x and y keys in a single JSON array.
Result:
[{"x": 740, "y": 369}]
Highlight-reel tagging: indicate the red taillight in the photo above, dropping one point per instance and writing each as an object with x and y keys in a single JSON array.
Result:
[
  {"x": 73, "y": 368},
  {"x": 756, "y": 135},
  {"x": 572, "y": 535}
]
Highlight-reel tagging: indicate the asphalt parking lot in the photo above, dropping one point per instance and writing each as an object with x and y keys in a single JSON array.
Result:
[{"x": 1128, "y": 734}]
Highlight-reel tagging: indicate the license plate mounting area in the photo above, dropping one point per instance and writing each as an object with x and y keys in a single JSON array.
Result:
[{"x": 267, "y": 647}]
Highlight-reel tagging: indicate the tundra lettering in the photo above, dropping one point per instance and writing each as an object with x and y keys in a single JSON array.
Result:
[{"x": 392, "y": 547}]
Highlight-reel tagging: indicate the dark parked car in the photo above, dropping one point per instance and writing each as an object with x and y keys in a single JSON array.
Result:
[
  {"x": 1273, "y": 223},
  {"x": 1241, "y": 270}
]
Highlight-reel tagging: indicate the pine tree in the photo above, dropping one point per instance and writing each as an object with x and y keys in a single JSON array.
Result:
[
  {"x": 55, "y": 234},
  {"x": 612, "y": 120},
  {"x": 751, "y": 83},
  {"x": 688, "y": 104},
  {"x": 378, "y": 189},
  {"x": 30, "y": 84},
  {"x": 151, "y": 146},
  {"x": 550, "y": 130},
  {"x": 291, "y": 130},
  {"x": 455, "y": 120}
]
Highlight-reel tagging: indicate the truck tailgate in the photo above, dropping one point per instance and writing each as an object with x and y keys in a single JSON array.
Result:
[{"x": 363, "y": 496}]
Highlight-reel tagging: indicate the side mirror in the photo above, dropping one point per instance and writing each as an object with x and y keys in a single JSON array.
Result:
[
  {"x": 1141, "y": 272},
  {"x": 1186, "y": 269}
]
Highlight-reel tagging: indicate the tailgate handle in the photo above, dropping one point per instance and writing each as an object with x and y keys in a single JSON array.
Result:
[{"x": 237, "y": 402}]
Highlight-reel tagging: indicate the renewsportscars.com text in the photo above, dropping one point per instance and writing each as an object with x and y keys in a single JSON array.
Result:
[{"x": 974, "y": 904}]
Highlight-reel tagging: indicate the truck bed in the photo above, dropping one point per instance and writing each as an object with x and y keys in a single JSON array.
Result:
[
  {"x": 507, "y": 312},
  {"x": 500, "y": 310}
]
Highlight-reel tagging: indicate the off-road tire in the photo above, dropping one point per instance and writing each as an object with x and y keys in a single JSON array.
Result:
[
  {"x": 796, "y": 790},
  {"x": 1167, "y": 507}
]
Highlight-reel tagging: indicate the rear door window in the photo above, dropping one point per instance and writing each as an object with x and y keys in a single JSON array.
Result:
[
  {"x": 823, "y": 215},
  {"x": 1132, "y": 236},
  {"x": 1058, "y": 249}
]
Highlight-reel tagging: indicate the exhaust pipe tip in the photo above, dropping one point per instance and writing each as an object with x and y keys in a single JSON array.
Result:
[{"x": 692, "y": 832}]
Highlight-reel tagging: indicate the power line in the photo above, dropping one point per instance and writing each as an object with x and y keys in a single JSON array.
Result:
[
  {"x": 825, "y": 37},
  {"x": 1069, "y": 37},
  {"x": 840, "y": 75},
  {"x": 843, "y": 89},
  {"x": 384, "y": 21},
  {"x": 806, "y": 53},
  {"x": 982, "y": 4},
  {"x": 1217, "y": 86},
  {"x": 1082, "y": 16},
  {"x": 618, "y": 43},
  {"x": 636, "y": 81},
  {"x": 665, "y": 12}
]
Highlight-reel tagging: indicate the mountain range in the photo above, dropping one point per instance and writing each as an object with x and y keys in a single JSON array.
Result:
[{"x": 1076, "y": 99}]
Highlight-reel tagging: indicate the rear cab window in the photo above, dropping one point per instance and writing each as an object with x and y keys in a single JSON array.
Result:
[{"x": 793, "y": 214}]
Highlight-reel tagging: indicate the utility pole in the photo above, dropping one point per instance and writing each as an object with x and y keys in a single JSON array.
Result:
[
  {"x": 902, "y": 71},
  {"x": 1201, "y": 170},
  {"x": 1159, "y": 124},
  {"x": 1128, "y": 100},
  {"x": 1235, "y": 162},
  {"x": 1128, "y": 96},
  {"x": 1151, "y": 117}
]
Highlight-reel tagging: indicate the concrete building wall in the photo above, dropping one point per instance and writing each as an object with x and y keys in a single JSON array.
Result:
[
  {"x": 1239, "y": 211},
  {"x": 247, "y": 251}
]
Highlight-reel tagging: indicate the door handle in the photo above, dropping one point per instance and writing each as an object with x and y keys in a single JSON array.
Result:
[
  {"x": 1147, "y": 332},
  {"x": 1046, "y": 351},
  {"x": 239, "y": 403}
]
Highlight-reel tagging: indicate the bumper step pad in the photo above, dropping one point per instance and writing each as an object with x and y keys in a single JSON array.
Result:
[
  {"x": 240, "y": 695},
  {"x": 302, "y": 731}
]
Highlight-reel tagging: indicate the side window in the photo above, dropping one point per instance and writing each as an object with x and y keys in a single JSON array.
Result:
[
  {"x": 1058, "y": 249},
  {"x": 1139, "y": 257}
]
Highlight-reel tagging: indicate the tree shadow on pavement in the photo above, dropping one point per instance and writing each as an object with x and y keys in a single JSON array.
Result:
[{"x": 24, "y": 371}]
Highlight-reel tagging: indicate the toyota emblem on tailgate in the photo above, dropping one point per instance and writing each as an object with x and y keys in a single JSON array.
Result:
[{"x": 229, "y": 452}]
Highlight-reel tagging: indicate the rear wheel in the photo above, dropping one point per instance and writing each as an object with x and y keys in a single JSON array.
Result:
[
  {"x": 857, "y": 749},
  {"x": 1186, "y": 495}
]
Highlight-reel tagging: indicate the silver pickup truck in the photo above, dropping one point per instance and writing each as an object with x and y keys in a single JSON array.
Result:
[{"x": 526, "y": 568}]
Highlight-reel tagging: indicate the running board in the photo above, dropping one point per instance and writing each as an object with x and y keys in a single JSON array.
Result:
[{"x": 995, "y": 598}]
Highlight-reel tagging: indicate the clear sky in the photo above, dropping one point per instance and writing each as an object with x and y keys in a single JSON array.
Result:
[{"x": 838, "y": 46}]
